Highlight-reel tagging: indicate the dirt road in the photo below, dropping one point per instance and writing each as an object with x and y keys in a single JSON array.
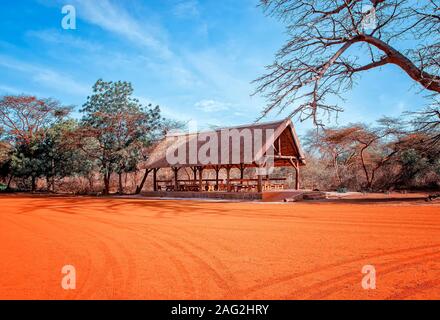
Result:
[{"x": 151, "y": 249}]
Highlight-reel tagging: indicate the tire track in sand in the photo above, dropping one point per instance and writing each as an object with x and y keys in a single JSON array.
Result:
[
  {"x": 331, "y": 286},
  {"x": 280, "y": 280}
]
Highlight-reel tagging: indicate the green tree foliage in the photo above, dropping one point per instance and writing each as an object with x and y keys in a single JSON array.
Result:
[
  {"x": 116, "y": 127},
  {"x": 25, "y": 122}
]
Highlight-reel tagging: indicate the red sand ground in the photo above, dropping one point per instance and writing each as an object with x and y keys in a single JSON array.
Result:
[{"x": 169, "y": 249}]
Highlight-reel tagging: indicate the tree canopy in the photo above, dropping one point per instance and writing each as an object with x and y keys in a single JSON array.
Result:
[{"x": 330, "y": 43}]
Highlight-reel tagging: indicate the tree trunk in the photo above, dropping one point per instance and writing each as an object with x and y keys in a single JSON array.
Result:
[
  {"x": 33, "y": 184},
  {"x": 141, "y": 186},
  {"x": 53, "y": 176},
  {"x": 364, "y": 166},
  {"x": 120, "y": 188},
  {"x": 8, "y": 186},
  {"x": 90, "y": 178},
  {"x": 336, "y": 167},
  {"x": 48, "y": 186},
  {"x": 106, "y": 183}
]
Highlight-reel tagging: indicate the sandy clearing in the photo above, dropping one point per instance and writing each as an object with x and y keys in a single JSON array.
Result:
[{"x": 156, "y": 249}]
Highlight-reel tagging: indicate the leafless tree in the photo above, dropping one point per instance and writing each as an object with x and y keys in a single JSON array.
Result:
[
  {"x": 427, "y": 122},
  {"x": 331, "y": 42},
  {"x": 335, "y": 144}
]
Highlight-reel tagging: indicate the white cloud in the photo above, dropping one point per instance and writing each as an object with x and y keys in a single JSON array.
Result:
[
  {"x": 110, "y": 17},
  {"x": 212, "y": 106},
  {"x": 165, "y": 110},
  {"x": 45, "y": 76},
  {"x": 186, "y": 9},
  {"x": 63, "y": 39},
  {"x": 8, "y": 90}
]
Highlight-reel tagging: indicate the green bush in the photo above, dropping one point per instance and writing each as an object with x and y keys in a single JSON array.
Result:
[{"x": 342, "y": 190}]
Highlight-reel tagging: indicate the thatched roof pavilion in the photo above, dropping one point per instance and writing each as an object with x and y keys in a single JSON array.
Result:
[{"x": 260, "y": 145}]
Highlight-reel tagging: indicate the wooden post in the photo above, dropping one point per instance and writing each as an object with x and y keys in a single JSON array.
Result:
[
  {"x": 201, "y": 178},
  {"x": 217, "y": 169},
  {"x": 260, "y": 181},
  {"x": 141, "y": 185},
  {"x": 241, "y": 172},
  {"x": 155, "y": 179},
  {"x": 295, "y": 164},
  {"x": 194, "y": 169},
  {"x": 279, "y": 146},
  {"x": 297, "y": 175},
  {"x": 176, "y": 181},
  {"x": 228, "y": 171}
]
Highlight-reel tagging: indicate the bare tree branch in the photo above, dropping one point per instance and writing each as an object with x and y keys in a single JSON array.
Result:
[{"x": 330, "y": 44}]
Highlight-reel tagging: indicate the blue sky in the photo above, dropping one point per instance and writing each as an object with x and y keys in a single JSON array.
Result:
[{"x": 194, "y": 58}]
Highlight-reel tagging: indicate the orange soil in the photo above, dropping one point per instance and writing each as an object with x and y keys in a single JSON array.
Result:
[{"x": 170, "y": 249}]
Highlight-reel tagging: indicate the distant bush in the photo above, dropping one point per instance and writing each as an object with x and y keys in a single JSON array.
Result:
[{"x": 342, "y": 190}]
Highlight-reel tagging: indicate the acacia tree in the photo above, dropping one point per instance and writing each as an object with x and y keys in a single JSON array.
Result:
[
  {"x": 5, "y": 163},
  {"x": 377, "y": 146},
  {"x": 335, "y": 144},
  {"x": 25, "y": 121},
  {"x": 427, "y": 121},
  {"x": 331, "y": 42},
  {"x": 115, "y": 127},
  {"x": 61, "y": 158}
]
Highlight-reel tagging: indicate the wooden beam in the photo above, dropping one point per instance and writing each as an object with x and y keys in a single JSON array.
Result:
[
  {"x": 141, "y": 185},
  {"x": 285, "y": 157}
]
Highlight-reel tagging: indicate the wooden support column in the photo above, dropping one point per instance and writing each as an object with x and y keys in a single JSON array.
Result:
[
  {"x": 176, "y": 180},
  {"x": 297, "y": 175},
  {"x": 260, "y": 181},
  {"x": 141, "y": 185},
  {"x": 201, "y": 178},
  {"x": 155, "y": 179},
  {"x": 194, "y": 169},
  {"x": 279, "y": 146},
  {"x": 241, "y": 171},
  {"x": 295, "y": 164},
  {"x": 217, "y": 170},
  {"x": 228, "y": 174}
]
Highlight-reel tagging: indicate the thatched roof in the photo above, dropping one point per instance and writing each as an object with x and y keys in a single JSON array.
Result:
[{"x": 234, "y": 153}]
